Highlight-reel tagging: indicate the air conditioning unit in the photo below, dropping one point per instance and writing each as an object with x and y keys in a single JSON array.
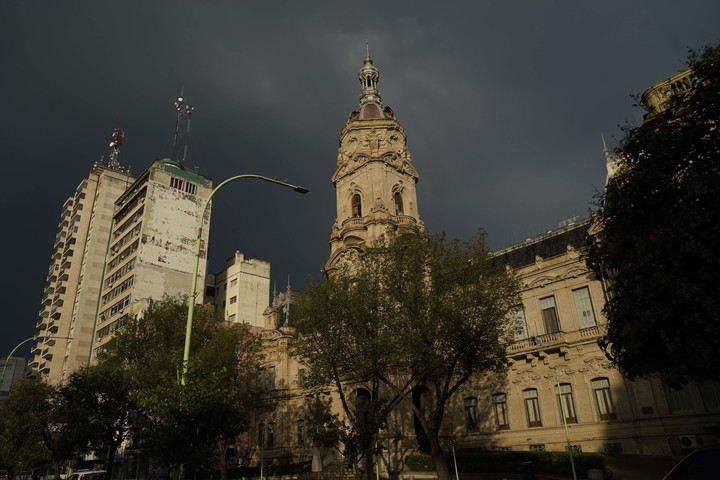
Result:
[{"x": 688, "y": 441}]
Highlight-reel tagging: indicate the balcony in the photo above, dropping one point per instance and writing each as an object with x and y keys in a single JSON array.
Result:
[{"x": 554, "y": 341}]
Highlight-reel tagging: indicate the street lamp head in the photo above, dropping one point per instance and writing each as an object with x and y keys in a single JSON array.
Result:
[{"x": 301, "y": 189}]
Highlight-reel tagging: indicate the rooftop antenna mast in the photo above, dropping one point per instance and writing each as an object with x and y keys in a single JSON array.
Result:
[
  {"x": 188, "y": 113},
  {"x": 179, "y": 107},
  {"x": 183, "y": 110},
  {"x": 116, "y": 140}
]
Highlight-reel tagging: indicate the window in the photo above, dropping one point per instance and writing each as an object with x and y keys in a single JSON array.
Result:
[
  {"x": 356, "y": 205},
  {"x": 710, "y": 392},
  {"x": 567, "y": 405},
  {"x": 519, "y": 323},
  {"x": 501, "y": 413},
  {"x": 269, "y": 378},
  {"x": 270, "y": 435},
  {"x": 233, "y": 300},
  {"x": 301, "y": 432},
  {"x": 603, "y": 398},
  {"x": 584, "y": 307},
  {"x": 301, "y": 376},
  {"x": 176, "y": 183},
  {"x": 471, "y": 418},
  {"x": 532, "y": 407},
  {"x": 191, "y": 188},
  {"x": 549, "y": 315},
  {"x": 233, "y": 282},
  {"x": 679, "y": 401},
  {"x": 232, "y": 318},
  {"x": 398, "y": 204},
  {"x": 261, "y": 434}
]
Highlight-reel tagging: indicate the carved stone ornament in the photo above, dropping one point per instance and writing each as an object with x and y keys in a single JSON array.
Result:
[
  {"x": 595, "y": 365},
  {"x": 525, "y": 377},
  {"x": 558, "y": 372}
]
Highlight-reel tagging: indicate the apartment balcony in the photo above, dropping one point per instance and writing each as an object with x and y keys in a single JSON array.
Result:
[
  {"x": 36, "y": 349},
  {"x": 55, "y": 314},
  {"x": 43, "y": 322},
  {"x": 43, "y": 313},
  {"x": 47, "y": 354},
  {"x": 63, "y": 275},
  {"x": 52, "y": 327},
  {"x": 33, "y": 363},
  {"x": 58, "y": 301},
  {"x": 44, "y": 368}
]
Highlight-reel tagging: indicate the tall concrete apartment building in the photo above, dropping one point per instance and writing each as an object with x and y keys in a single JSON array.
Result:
[
  {"x": 152, "y": 243},
  {"x": 69, "y": 303},
  {"x": 121, "y": 241}
]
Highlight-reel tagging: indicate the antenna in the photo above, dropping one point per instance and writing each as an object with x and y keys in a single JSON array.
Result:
[
  {"x": 188, "y": 113},
  {"x": 116, "y": 140},
  {"x": 178, "y": 119}
]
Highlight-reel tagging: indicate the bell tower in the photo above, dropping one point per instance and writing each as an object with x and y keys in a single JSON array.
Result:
[{"x": 375, "y": 178}]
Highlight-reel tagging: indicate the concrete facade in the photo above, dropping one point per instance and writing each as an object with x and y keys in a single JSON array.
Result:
[
  {"x": 69, "y": 304},
  {"x": 242, "y": 290},
  {"x": 152, "y": 245}
]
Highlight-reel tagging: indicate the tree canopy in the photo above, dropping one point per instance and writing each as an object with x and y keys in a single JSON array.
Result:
[
  {"x": 408, "y": 322},
  {"x": 657, "y": 239}
]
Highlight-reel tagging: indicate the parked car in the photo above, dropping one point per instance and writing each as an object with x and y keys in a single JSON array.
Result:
[
  {"x": 89, "y": 475},
  {"x": 702, "y": 464}
]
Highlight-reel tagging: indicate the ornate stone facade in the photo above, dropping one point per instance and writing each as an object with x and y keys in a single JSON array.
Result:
[{"x": 374, "y": 179}]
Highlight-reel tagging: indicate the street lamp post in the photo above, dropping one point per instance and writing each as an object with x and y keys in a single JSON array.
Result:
[
  {"x": 198, "y": 241},
  {"x": 7, "y": 359}
]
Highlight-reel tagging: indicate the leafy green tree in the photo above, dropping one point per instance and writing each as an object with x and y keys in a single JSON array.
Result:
[
  {"x": 657, "y": 239},
  {"x": 37, "y": 426},
  {"x": 101, "y": 399},
  {"x": 410, "y": 322},
  {"x": 193, "y": 423}
]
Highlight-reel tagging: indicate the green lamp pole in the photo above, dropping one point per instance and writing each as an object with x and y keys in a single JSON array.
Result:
[
  {"x": 7, "y": 359},
  {"x": 193, "y": 287}
]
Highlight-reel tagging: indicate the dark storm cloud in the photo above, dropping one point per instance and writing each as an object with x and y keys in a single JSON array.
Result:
[{"x": 503, "y": 104}]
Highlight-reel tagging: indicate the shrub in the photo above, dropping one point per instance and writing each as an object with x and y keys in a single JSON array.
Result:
[{"x": 419, "y": 462}]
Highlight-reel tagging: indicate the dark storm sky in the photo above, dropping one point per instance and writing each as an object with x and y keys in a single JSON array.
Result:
[{"x": 503, "y": 103}]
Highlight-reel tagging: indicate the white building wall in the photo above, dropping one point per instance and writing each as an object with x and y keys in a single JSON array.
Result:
[{"x": 242, "y": 290}]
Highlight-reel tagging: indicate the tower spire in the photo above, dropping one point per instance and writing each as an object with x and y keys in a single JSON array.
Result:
[{"x": 369, "y": 77}]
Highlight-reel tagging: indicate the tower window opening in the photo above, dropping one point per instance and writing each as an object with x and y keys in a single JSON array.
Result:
[
  {"x": 398, "y": 204},
  {"x": 356, "y": 205}
]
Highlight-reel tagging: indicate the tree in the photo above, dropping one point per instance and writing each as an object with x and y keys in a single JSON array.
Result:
[
  {"x": 409, "y": 322},
  {"x": 657, "y": 239},
  {"x": 101, "y": 399},
  {"x": 192, "y": 423},
  {"x": 37, "y": 426}
]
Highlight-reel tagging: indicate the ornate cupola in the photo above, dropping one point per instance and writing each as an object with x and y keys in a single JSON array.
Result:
[{"x": 375, "y": 178}]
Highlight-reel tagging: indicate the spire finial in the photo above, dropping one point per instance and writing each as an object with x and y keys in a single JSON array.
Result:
[{"x": 368, "y": 76}]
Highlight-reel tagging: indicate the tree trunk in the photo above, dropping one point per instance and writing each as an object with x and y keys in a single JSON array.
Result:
[
  {"x": 438, "y": 456},
  {"x": 222, "y": 459},
  {"x": 110, "y": 460}
]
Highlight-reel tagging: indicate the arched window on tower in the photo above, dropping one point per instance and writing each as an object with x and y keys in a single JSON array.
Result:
[
  {"x": 399, "y": 210},
  {"x": 356, "y": 205}
]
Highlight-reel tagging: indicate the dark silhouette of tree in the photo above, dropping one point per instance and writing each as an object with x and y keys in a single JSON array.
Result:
[{"x": 657, "y": 235}]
